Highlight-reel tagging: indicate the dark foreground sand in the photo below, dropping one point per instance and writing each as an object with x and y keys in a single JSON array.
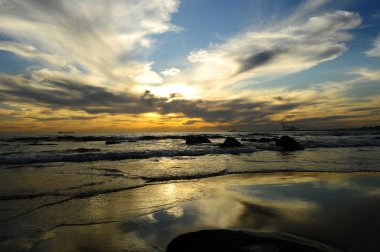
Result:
[{"x": 340, "y": 211}]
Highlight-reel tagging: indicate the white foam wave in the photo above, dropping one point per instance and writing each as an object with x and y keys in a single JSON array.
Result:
[{"x": 96, "y": 156}]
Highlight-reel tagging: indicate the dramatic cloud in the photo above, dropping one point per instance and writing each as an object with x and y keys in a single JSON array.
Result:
[
  {"x": 32, "y": 53},
  {"x": 100, "y": 37},
  {"x": 375, "y": 51},
  {"x": 56, "y": 92},
  {"x": 258, "y": 60},
  {"x": 325, "y": 101},
  {"x": 59, "y": 93},
  {"x": 275, "y": 51},
  {"x": 91, "y": 62}
]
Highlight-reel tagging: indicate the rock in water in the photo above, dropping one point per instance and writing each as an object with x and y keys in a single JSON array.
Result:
[
  {"x": 289, "y": 144},
  {"x": 231, "y": 142},
  {"x": 191, "y": 140}
]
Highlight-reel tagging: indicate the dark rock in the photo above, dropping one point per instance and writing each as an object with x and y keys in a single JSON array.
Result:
[
  {"x": 230, "y": 142},
  {"x": 288, "y": 143},
  {"x": 238, "y": 241},
  {"x": 191, "y": 140},
  {"x": 377, "y": 138}
]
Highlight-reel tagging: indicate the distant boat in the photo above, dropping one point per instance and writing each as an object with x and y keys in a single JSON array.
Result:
[
  {"x": 288, "y": 128},
  {"x": 65, "y": 132}
]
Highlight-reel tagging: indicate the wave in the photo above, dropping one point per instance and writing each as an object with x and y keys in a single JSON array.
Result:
[
  {"x": 142, "y": 181},
  {"x": 342, "y": 144},
  {"x": 71, "y": 138},
  {"x": 96, "y": 156},
  {"x": 224, "y": 172},
  {"x": 185, "y": 176},
  {"x": 312, "y": 144}
]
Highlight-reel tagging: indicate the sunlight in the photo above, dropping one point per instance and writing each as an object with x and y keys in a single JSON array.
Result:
[
  {"x": 182, "y": 90},
  {"x": 151, "y": 115},
  {"x": 170, "y": 190}
]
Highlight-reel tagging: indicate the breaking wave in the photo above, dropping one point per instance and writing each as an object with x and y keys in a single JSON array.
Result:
[{"x": 96, "y": 156}]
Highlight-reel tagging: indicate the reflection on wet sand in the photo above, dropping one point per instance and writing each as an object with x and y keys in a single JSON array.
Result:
[{"x": 342, "y": 210}]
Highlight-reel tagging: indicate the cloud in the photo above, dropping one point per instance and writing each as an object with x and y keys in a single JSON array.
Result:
[
  {"x": 258, "y": 60},
  {"x": 191, "y": 122},
  {"x": 170, "y": 72},
  {"x": 50, "y": 118},
  {"x": 64, "y": 93},
  {"x": 303, "y": 11},
  {"x": 56, "y": 93},
  {"x": 32, "y": 53},
  {"x": 102, "y": 37},
  {"x": 375, "y": 50},
  {"x": 94, "y": 57},
  {"x": 324, "y": 102},
  {"x": 300, "y": 43}
]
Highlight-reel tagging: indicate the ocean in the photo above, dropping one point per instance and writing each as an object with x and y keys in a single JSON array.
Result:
[{"x": 56, "y": 188}]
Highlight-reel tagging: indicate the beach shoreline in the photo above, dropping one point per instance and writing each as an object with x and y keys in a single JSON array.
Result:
[{"x": 339, "y": 209}]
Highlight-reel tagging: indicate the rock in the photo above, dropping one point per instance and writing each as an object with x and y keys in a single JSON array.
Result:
[
  {"x": 288, "y": 143},
  {"x": 377, "y": 138},
  {"x": 238, "y": 241},
  {"x": 191, "y": 140},
  {"x": 230, "y": 142}
]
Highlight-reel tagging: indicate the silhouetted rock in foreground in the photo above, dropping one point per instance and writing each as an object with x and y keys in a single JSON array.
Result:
[
  {"x": 288, "y": 143},
  {"x": 191, "y": 140},
  {"x": 230, "y": 142},
  {"x": 237, "y": 241}
]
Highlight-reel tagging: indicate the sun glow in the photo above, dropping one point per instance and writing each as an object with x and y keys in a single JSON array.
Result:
[{"x": 179, "y": 89}]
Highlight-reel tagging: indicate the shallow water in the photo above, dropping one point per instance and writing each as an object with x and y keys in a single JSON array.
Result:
[
  {"x": 141, "y": 193},
  {"x": 342, "y": 210}
]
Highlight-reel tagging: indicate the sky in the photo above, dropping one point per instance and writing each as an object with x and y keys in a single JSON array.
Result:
[{"x": 190, "y": 65}]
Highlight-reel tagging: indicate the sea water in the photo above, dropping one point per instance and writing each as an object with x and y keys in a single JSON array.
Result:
[{"x": 41, "y": 175}]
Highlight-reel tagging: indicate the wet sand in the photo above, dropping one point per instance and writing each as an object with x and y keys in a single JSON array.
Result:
[{"x": 339, "y": 209}]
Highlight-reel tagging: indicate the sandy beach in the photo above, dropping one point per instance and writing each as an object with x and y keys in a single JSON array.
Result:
[{"x": 338, "y": 209}]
